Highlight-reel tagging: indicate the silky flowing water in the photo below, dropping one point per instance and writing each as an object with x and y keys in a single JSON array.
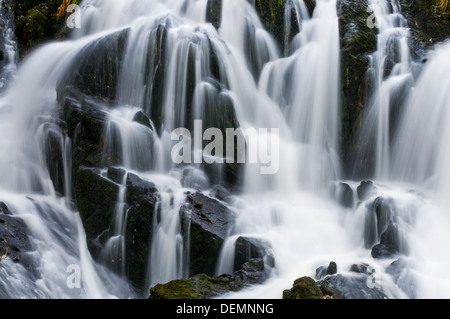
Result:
[{"x": 294, "y": 95}]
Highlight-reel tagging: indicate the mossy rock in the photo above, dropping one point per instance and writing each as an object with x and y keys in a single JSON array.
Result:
[
  {"x": 202, "y": 286},
  {"x": 357, "y": 42},
  {"x": 303, "y": 288}
]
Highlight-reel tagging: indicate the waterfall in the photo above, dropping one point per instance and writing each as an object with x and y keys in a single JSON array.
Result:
[{"x": 108, "y": 102}]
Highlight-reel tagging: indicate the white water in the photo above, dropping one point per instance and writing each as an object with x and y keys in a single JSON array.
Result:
[{"x": 297, "y": 94}]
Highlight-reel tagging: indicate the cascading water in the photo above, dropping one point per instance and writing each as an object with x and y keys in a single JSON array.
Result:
[
  {"x": 167, "y": 67},
  {"x": 8, "y": 44}
]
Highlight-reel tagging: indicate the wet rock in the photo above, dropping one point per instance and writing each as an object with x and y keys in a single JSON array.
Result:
[
  {"x": 365, "y": 190},
  {"x": 323, "y": 271},
  {"x": 214, "y": 12},
  {"x": 14, "y": 236},
  {"x": 381, "y": 251},
  {"x": 344, "y": 194},
  {"x": 96, "y": 199},
  {"x": 202, "y": 286},
  {"x": 400, "y": 270},
  {"x": 360, "y": 268},
  {"x": 378, "y": 217},
  {"x": 205, "y": 222},
  {"x": 303, "y": 288},
  {"x": 354, "y": 286},
  {"x": 276, "y": 16},
  {"x": 247, "y": 248},
  {"x": 96, "y": 70},
  {"x": 142, "y": 203},
  {"x": 116, "y": 174},
  {"x": 357, "y": 42},
  {"x": 142, "y": 119}
]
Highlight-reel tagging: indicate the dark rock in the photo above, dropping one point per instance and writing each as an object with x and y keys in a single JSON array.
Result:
[
  {"x": 378, "y": 217},
  {"x": 350, "y": 287},
  {"x": 303, "y": 288},
  {"x": 194, "y": 178},
  {"x": 381, "y": 251},
  {"x": 214, "y": 12},
  {"x": 428, "y": 24},
  {"x": 142, "y": 198},
  {"x": 14, "y": 236},
  {"x": 116, "y": 174},
  {"x": 365, "y": 190},
  {"x": 202, "y": 286},
  {"x": 142, "y": 119},
  {"x": 96, "y": 70},
  {"x": 96, "y": 199},
  {"x": 275, "y": 20},
  {"x": 360, "y": 268},
  {"x": 247, "y": 248},
  {"x": 204, "y": 224},
  {"x": 323, "y": 271}
]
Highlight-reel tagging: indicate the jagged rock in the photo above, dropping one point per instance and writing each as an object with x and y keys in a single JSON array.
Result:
[
  {"x": 205, "y": 224},
  {"x": 142, "y": 199},
  {"x": 303, "y": 288},
  {"x": 202, "y": 286},
  {"x": 96, "y": 70},
  {"x": 354, "y": 286},
  {"x": 378, "y": 217}
]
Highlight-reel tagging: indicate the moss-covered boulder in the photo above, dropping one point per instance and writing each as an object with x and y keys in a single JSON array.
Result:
[
  {"x": 358, "y": 41},
  {"x": 202, "y": 286},
  {"x": 303, "y": 288}
]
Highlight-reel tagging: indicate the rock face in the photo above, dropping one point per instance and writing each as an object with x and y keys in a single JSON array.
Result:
[
  {"x": 357, "y": 42},
  {"x": 142, "y": 199},
  {"x": 202, "y": 286},
  {"x": 429, "y": 21},
  {"x": 205, "y": 222}
]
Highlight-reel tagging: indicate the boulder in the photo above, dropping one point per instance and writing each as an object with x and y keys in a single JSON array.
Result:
[
  {"x": 205, "y": 222},
  {"x": 202, "y": 286},
  {"x": 14, "y": 237},
  {"x": 303, "y": 288}
]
